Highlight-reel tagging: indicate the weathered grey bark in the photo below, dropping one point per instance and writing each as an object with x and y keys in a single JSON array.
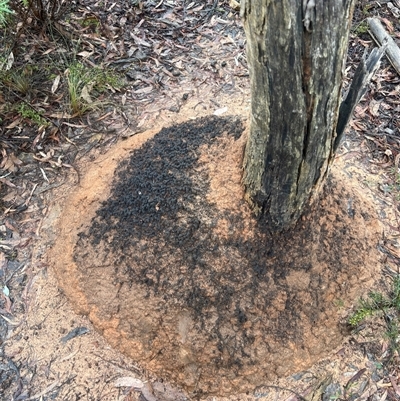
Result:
[
  {"x": 379, "y": 34},
  {"x": 362, "y": 77},
  {"x": 296, "y": 52}
]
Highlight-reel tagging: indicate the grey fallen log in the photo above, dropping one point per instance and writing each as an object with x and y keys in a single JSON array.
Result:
[
  {"x": 379, "y": 34},
  {"x": 362, "y": 77}
]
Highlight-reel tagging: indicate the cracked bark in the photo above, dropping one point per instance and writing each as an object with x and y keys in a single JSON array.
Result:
[{"x": 296, "y": 55}]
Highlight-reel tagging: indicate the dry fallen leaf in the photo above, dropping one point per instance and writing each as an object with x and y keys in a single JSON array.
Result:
[
  {"x": 128, "y": 381},
  {"x": 3, "y": 261},
  {"x": 393, "y": 250},
  {"x": 10, "y": 61},
  {"x": 14, "y": 123},
  {"x": 394, "y": 10},
  {"x": 95, "y": 138},
  {"x": 394, "y": 385},
  {"x": 85, "y": 95},
  {"x": 146, "y": 89},
  {"x": 374, "y": 106},
  {"x": 220, "y": 111},
  {"x": 10, "y": 196},
  {"x": 7, "y": 182},
  {"x": 10, "y": 163},
  {"x": 140, "y": 41},
  {"x": 56, "y": 82},
  {"x": 85, "y": 54},
  {"x": 8, "y": 304},
  {"x": 357, "y": 125},
  {"x": 60, "y": 115},
  {"x": 388, "y": 24},
  {"x": 234, "y": 4}
]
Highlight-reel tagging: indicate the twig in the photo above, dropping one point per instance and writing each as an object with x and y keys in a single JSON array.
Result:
[
  {"x": 128, "y": 368},
  {"x": 26, "y": 203}
]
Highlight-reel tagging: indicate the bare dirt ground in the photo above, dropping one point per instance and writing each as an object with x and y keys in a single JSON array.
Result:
[{"x": 48, "y": 352}]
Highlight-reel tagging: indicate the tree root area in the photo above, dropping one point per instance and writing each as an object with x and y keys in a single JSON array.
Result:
[{"x": 159, "y": 249}]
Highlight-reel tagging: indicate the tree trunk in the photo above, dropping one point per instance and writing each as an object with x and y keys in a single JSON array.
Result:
[{"x": 296, "y": 52}]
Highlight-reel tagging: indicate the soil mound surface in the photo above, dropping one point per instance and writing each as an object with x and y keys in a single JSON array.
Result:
[{"x": 159, "y": 249}]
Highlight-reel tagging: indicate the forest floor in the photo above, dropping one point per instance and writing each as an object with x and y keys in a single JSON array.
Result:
[{"x": 160, "y": 63}]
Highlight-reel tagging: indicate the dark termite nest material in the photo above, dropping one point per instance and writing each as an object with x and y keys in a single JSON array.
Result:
[{"x": 207, "y": 296}]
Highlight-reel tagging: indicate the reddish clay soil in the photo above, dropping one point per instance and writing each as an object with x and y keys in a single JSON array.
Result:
[{"x": 157, "y": 247}]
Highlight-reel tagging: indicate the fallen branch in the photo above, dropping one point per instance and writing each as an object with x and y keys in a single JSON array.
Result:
[
  {"x": 379, "y": 34},
  {"x": 362, "y": 77}
]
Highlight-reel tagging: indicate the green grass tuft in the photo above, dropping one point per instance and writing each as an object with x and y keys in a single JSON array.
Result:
[
  {"x": 386, "y": 306},
  {"x": 5, "y": 11}
]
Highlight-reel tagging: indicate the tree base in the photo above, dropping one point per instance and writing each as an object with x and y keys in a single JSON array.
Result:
[{"x": 170, "y": 265}]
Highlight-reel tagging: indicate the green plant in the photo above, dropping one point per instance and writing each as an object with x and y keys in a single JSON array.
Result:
[
  {"x": 388, "y": 306},
  {"x": 336, "y": 396},
  {"x": 17, "y": 79},
  {"x": 4, "y": 11},
  {"x": 76, "y": 82},
  {"x": 361, "y": 28},
  {"x": 339, "y": 303},
  {"x": 366, "y": 8},
  {"x": 91, "y": 22},
  {"x": 84, "y": 83},
  {"x": 26, "y": 111}
]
